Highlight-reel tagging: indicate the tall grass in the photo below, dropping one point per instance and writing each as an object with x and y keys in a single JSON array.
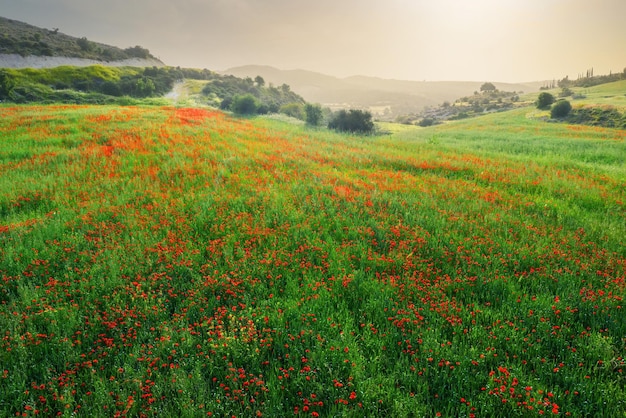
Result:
[{"x": 161, "y": 261}]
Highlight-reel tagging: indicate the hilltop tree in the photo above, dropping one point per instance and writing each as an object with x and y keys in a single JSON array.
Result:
[
  {"x": 488, "y": 88},
  {"x": 259, "y": 81},
  {"x": 565, "y": 82},
  {"x": 137, "y": 52},
  {"x": 85, "y": 44}
]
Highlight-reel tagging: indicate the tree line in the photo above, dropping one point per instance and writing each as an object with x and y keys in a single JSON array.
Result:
[{"x": 100, "y": 84}]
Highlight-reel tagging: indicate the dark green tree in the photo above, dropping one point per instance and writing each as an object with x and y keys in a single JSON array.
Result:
[
  {"x": 245, "y": 104},
  {"x": 226, "y": 103},
  {"x": 565, "y": 82},
  {"x": 85, "y": 44},
  {"x": 488, "y": 88},
  {"x": 544, "y": 100},
  {"x": 560, "y": 109},
  {"x": 313, "y": 114},
  {"x": 260, "y": 82},
  {"x": 426, "y": 122},
  {"x": 144, "y": 87},
  {"x": 354, "y": 120},
  {"x": 137, "y": 52}
]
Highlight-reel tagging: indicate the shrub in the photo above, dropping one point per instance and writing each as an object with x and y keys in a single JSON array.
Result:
[
  {"x": 264, "y": 109},
  {"x": 30, "y": 92},
  {"x": 488, "y": 87},
  {"x": 226, "y": 103},
  {"x": 144, "y": 87},
  {"x": 426, "y": 122},
  {"x": 295, "y": 110},
  {"x": 606, "y": 116},
  {"x": 544, "y": 100},
  {"x": 269, "y": 98},
  {"x": 313, "y": 114},
  {"x": 7, "y": 83},
  {"x": 137, "y": 52},
  {"x": 85, "y": 44},
  {"x": 560, "y": 109},
  {"x": 354, "y": 120},
  {"x": 245, "y": 104}
]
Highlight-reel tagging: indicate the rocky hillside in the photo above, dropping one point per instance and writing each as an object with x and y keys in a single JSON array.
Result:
[
  {"x": 34, "y": 61},
  {"x": 23, "y": 45}
]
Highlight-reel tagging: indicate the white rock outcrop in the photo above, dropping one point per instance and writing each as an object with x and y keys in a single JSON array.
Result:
[{"x": 32, "y": 61}]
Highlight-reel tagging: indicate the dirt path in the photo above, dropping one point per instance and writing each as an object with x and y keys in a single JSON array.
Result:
[
  {"x": 188, "y": 93},
  {"x": 178, "y": 92}
]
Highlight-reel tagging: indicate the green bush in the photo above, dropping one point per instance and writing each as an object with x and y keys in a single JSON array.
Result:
[
  {"x": 544, "y": 100},
  {"x": 560, "y": 109},
  {"x": 7, "y": 83},
  {"x": 226, "y": 103},
  {"x": 29, "y": 92},
  {"x": 138, "y": 52},
  {"x": 85, "y": 44},
  {"x": 605, "y": 116},
  {"x": 270, "y": 98},
  {"x": 313, "y": 114},
  {"x": 245, "y": 104},
  {"x": 34, "y": 84},
  {"x": 354, "y": 120},
  {"x": 427, "y": 122},
  {"x": 295, "y": 110}
]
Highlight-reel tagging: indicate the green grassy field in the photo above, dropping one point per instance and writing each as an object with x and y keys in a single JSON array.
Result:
[
  {"x": 610, "y": 93},
  {"x": 161, "y": 261}
]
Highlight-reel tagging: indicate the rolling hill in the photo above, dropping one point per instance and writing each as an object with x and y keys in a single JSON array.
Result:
[
  {"x": 27, "y": 46},
  {"x": 385, "y": 98},
  {"x": 171, "y": 261}
]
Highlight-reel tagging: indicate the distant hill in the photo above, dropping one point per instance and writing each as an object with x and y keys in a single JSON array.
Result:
[
  {"x": 23, "y": 45},
  {"x": 385, "y": 98}
]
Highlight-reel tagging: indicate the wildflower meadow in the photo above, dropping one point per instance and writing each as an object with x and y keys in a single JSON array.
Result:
[{"x": 162, "y": 261}]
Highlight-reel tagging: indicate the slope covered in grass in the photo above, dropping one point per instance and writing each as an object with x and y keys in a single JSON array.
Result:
[
  {"x": 24, "y": 40},
  {"x": 178, "y": 262}
]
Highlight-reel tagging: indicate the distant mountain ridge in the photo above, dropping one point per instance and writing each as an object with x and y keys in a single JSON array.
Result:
[
  {"x": 23, "y": 45},
  {"x": 385, "y": 98}
]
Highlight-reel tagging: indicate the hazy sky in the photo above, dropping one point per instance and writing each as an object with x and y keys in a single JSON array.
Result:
[{"x": 477, "y": 40}]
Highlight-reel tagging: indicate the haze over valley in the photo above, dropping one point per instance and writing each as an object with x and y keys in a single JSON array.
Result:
[
  {"x": 384, "y": 98},
  {"x": 393, "y": 58},
  {"x": 444, "y": 40}
]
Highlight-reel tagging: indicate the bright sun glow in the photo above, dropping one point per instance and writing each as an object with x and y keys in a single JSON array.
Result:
[{"x": 507, "y": 40}]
